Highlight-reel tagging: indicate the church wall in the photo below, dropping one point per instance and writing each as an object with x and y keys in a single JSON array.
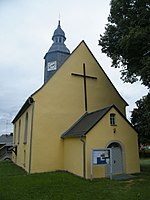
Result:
[
  {"x": 73, "y": 156},
  {"x": 100, "y": 92},
  {"x": 103, "y": 134},
  {"x": 47, "y": 147},
  {"x": 23, "y": 149},
  {"x": 60, "y": 102},
  {"x": 58, "y": 105}
]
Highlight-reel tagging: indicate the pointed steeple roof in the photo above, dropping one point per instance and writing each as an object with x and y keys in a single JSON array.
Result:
[
  {"x": 58, "y": 32},
  {"x": 59, "y": 39}
]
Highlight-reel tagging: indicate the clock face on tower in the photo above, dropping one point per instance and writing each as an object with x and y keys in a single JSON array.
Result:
[{"x": 51, "y": 66}]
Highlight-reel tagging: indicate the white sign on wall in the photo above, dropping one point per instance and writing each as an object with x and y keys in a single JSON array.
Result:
[{"x": 101, "y": 157}]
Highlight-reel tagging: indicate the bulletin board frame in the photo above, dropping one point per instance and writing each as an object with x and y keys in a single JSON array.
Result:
[{"x": 101, "y": 157}]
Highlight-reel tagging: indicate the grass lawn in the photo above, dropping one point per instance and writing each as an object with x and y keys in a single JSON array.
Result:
[{"x": 15, "y": 184}]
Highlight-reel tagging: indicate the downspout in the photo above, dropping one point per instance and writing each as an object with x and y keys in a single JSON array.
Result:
[
  {"x": 84, "y": 158},
  {"x": 30, "y": 153}
]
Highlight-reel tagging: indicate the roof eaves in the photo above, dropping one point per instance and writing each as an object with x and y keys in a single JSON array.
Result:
[
  {"x": 83, "y": 133},
  {"x": 73, "y": 136},
  {"x": 28, "y": 102}
]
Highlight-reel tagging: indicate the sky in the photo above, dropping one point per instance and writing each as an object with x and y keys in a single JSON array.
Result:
[{"x": 26, "y": 29}]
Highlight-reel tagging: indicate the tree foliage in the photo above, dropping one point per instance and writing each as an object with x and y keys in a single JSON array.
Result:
[
  {"x": 140, "y": 119},
  {"x": 126, "y": 39}
]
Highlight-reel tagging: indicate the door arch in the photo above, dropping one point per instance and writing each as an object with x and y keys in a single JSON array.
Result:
[{"x": 117, "y": 159}]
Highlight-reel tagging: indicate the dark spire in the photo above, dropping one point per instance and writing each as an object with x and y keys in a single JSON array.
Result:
[
  {"x": 56, "y": 54},
  {"x": 59, "y": 39},
  {"x": 59, "y": 22}
]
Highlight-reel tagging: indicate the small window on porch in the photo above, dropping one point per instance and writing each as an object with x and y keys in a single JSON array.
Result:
[{"x": 112, "y": 119}]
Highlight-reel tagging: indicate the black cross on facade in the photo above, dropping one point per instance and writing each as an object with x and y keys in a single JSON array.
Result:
[{"x": 85, "y": 87}]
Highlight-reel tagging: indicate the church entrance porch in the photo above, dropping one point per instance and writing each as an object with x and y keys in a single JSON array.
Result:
[{"x": 117, "y": 159}]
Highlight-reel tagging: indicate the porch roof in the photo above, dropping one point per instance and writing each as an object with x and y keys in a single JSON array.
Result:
[{"x": 86, "y": 123}]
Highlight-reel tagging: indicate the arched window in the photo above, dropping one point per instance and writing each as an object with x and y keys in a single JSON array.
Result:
[
  {"x": 19, "y": 130},
  {"x": 26, "y": 129}
]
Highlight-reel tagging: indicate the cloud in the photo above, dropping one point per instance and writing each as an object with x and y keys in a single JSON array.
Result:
[{"x": 25, "y": 36}]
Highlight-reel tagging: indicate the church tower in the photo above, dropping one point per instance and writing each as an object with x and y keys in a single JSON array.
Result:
[{"x": 56, "y": 55}]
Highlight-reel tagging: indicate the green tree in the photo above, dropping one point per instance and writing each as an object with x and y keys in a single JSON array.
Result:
[
  {"x": 126, "y": 39},
  {"x": 140, "y": 119}
]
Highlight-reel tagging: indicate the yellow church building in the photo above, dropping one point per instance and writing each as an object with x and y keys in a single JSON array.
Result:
[{"x": 76, "y": 110}]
